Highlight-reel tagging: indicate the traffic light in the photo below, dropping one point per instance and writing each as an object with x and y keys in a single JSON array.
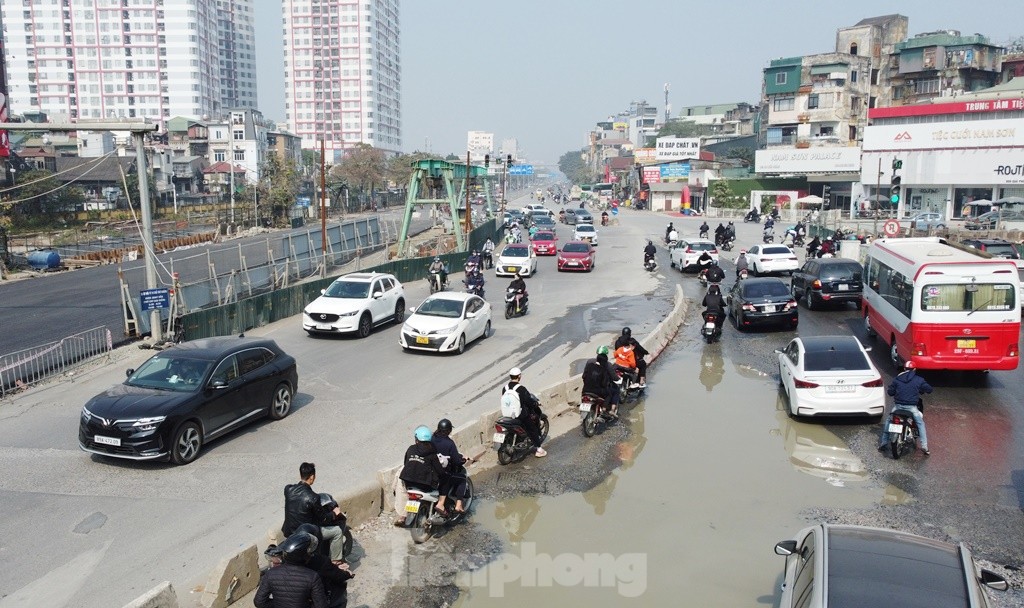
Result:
[
  {"x": 487, "y": 160},
  {"x": 895, "y": 182},
  {"x": 509, "y": 160}
]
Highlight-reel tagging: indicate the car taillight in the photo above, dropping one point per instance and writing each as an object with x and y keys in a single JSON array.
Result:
[
  {"x": 789, "y": 305},
  {"x": 1012, "y": 351},
  {"x": 919, "y": 349},
  {"x": 749, "y": 306},
  {"x": 803, "y": 383},
  {"x": 816, "y": 284},
  {"x": 688, "y": 250},
  {"x": 876, "y": 383}
]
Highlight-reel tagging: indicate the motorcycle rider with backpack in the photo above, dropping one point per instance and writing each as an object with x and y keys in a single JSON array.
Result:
[
  {"x": 599, "y": 379},
  {"x": 714, "y": 274},
  {"x": 906, "y": 390},
  {"x": 422, "y": 468},
  {"x": 515, "y": 396}
]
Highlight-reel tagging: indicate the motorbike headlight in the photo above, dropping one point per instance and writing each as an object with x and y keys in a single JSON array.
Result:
[{"x": 148, "y": 424}]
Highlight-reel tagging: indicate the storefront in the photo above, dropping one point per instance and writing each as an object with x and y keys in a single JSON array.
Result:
[
  {"x": 833, "y": 173},
  {"x": 952, "y": 155}
]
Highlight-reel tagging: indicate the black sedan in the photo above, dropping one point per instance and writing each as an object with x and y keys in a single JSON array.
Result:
[
  {"x": 762, "y": 301},
  {"x": 185, "y": 396}
]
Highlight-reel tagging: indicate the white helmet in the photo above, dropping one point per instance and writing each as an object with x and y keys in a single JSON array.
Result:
[{"x": 515, "y": 372}]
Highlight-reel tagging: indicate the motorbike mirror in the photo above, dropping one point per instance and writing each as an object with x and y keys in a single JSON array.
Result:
[
  {"x": 993, "y": 581},
  {"x": 128, "y": 373},
  {"x": 786, "y": 547}
]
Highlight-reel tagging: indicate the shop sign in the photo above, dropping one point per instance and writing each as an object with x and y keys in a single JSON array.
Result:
[
  {"x": 652, "y": 175},
  {"x": 1004, "y": 132},
  {"x": 807, "y": 160},
  {"x": 945, "y": 167},
  {"x": 677, "y": 148}
]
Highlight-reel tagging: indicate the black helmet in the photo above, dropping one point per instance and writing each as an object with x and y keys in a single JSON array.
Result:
[
  {"x": 297, "y": 548},
  {"x": 444, "y": 426},
  {"x": 627, "y": 332},
  {"x": 327, "y": 502},
  {"x": 312, "y": 529}
]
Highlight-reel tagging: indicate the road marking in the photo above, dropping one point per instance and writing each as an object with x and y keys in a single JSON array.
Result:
[{"x": 59, "y": 586}]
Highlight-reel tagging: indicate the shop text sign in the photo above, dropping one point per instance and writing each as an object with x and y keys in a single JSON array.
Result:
[
  {"x": 652, "y": 175},
  {"x": 644, "y": 155},
  {"x": 990, "y": 167},
  {"x": 807, "y": 160},
  {"x": 962, "y": 134},
  {"x": 957, "y": 107},
  {"x": 677, "y": 148}
]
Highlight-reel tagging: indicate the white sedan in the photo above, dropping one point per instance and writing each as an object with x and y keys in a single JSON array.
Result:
[
  {"x": 766, "y": 259},
  {"x": 514, "y": 258},
  {"x": 446, "y": 322},
  {"x": 830, "y": 376},
  {"x": 586, "y": 233}
]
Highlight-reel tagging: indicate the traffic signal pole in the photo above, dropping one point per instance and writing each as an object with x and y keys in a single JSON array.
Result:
[{"x": 878, "y": 192}]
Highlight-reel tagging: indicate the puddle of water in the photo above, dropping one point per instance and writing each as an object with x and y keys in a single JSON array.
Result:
[{"x": 702, "y": 494}]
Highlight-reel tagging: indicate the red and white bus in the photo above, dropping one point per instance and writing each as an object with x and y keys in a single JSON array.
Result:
[{"x": 940, "y": 306}]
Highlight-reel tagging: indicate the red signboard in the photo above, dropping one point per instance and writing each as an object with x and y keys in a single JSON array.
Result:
[
  {"x": 958, "y": 107},
  {"x": 652, "y": 175}
]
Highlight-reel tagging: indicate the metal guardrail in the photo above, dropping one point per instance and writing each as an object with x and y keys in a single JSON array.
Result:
[{"x": 31, "y": 365}]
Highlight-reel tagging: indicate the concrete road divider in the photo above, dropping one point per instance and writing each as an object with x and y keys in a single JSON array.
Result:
[
  {"x": 362, "y": 503},
  {"x": 234, "y": 577},
  {"x": 161, "y": 596}
]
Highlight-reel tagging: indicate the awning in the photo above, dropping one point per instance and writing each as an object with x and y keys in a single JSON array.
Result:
[{"x": 829, "y": 68}]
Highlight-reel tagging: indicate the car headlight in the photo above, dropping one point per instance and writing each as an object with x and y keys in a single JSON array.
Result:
[
  {"x": 86, "y": 414},
  {"x": 148, "y": 424},
  {"x": 445, "y": 331},
  {"x": 348, "y": 314}
]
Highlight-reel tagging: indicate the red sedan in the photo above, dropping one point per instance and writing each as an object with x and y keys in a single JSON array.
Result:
[
  {"x": 577, "y": 255},
  {"x": 544, "y": 243}
]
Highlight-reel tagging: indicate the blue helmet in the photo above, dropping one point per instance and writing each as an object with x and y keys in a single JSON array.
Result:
[{"x": 423, "y": 434}]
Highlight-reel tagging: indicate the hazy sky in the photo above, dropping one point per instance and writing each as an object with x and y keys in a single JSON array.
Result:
[{"x": 544, "y": 71}]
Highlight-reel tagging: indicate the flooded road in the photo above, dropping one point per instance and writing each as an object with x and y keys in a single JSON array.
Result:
[{"x": 707, "y": 475}]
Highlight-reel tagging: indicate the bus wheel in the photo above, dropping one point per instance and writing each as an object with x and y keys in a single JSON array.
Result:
[
  {"x": 894, "y": 354},
  {"x": 867, "y": 327}
]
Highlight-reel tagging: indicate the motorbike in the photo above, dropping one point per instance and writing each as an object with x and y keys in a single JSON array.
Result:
[
  {"x": 903, "y": 431},
  {"x": 476, "y": 290},
  {"x": 727, "y": 244},
  {"x": 702, "y": 276},
  {"x": 511, "y": 440},
  {"x": 743, "y": 273},
  {"x": 704, "y": 234},
  {"x": 650, "y": 264},
  {"x": 487, "y": 259},
  {"x": 627, "y": 387},
  {"x": 593, "y": 409},
  {"x": 512, "y": 307},
  {"x": 436, "y": 284},
  {"x": 711, "y": 330},
  {"x": 768, "y": 236},
  {"x": 752, "y": 216},
  {"x": 421, "y": 515}
]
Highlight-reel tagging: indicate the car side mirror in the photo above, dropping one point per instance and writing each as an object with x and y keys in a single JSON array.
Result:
[
  {"x": 412, "y": 309},
  {"x": 218, "y": 384},
  {"x": 867, "y": 349},
  {"x": 470, "y": 315},
  {"x": 323, "y": 291},
  {"x": 378, "y": 294},
  {"x": 786, "y": 547},
  {"x": 128, "y": 373},
  {"x": 777, "y": 351}
]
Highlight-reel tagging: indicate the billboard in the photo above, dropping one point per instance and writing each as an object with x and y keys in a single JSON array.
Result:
[
  {"x": 945, "y": 167},
  {"x": 960, "y": 134},
  {"x": 677, "y": 170},
  {"x": 807, "y": 160},
  {"x": 652, "y": 175},
  {"x": 644, "y": 155},
  {"x": 677, "y": 148}
]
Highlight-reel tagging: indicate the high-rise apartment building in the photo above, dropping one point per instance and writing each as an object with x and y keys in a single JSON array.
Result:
[
  {"x": 144, "y": 59},
  {"x": 343, "y": 73}
]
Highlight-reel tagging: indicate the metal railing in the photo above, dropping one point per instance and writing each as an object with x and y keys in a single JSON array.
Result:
[{"x": 31, "y": 365}]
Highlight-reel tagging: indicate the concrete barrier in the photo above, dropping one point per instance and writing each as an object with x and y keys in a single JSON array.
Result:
[
  {"x": 161, "y": 596},
  {"x": 363, "y": 503},
  {"x": 233, "y": 578}
]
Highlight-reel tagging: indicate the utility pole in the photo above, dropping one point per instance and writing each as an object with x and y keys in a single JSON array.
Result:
[
  {"x": 469, "y": 210},
  {"x": 147, "y": 230},
  {"x": 878, "y": 190},
  {"x": 323, "y": 207},
  {"x": 231, "y": 167}
]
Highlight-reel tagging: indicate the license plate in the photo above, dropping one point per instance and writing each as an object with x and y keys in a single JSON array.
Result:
[
  {"x": 574, "y": 263},
  {"x": 895, "y": 428},
  {"x": 966, "y": 343},
  {"x": 585, "y": 407},
  {"x": 843, "y": 287},
  {"x": 840, "y": 389},
  {"x": 413, "y": 506},
  {"x": 499, "y": 438},
  {"x": 769, "y": 309},
  {"x": 422, "y": 340},
  {"x": 709, "y": 327},
  {"x": 114, "y": 441},
  {"x": 323, "y": 326}
]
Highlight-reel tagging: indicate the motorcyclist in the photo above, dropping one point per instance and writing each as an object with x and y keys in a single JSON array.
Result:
[
  {"x": 474, "y": 258},
  {"x": 335, "y": 575},
  {"x": 639, "y": 352},
  {"x": 673, "y": 236},
  {"x": 813, "y": 246},
  {"x": 487, "y": 254},
  {"x": 529, "y": 416},
  {"x": 599, "y": 379},
  {"x": 422, "y": 468},
  {"x": 730, "y": 231},
  {"x": 446, "y": 446},
  {"x": 517, "y": 234},
  {"x": 719, "y": 232},
  {"x": 704, "y": 262},
  {"x": 532, "y": 231},
  {"x": 715, "y": 274},
  {"x": 704, "y": 229},
  {"x": 302, "y": 506},
  {"x": 438, "y": 266},
  {"x": 649, "y": 251},
  {"x": 668, "y": 231},
  {"x": 625, "y": 360},
  {"x": 604, "y": 218},
  {"x": 292, "y": 584},
  {"x": 742, "y": 263},
  {"x": 519, "y": 286},
  {"x": 475, "y": 281},
  {"x": 769, "y": 223},
  {"x": 906, "y": 390},
  {"x": 714, "y": 302}
]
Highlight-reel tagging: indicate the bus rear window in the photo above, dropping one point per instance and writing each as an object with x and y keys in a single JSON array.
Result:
[{"x": 966, "y": 298}]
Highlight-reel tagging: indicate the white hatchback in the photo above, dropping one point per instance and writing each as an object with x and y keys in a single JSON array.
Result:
[
  {"x": 586, "y": 233},
  {"x": 514, "y": 258},
  {"x": 766, "y": 259},
  {"x": 446, "y": 322},
  {"x": 830, "y": 376}
]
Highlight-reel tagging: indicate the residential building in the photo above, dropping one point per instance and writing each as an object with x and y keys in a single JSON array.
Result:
[
  {"x": 343, "y": 73},
  {"x": 479, "y": 143},
  {"x": 285, "y": 146},
  {"x": 240, "y": 140},
  {"x": 942, "y": 64},
  {"x": 1012, "y": 65},
  {"x": 149, "y": 59},
  {"x": 721, "y": 121},
  {"x": 236, "y": 24}
]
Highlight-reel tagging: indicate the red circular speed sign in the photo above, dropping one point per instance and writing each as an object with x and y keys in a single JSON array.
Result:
[{"x": 891, "y": 228}]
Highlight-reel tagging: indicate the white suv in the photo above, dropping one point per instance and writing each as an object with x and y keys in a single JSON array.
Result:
[{"x": 356, "y": 303}]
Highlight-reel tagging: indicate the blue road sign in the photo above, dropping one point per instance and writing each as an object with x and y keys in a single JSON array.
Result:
[
  {"x": 520, "y": 170},
  {"x": 615, "y": 210},
  {"x": 155, "y": 299}
]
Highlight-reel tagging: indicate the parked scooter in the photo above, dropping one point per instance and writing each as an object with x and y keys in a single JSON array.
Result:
[
  {"x": 593, "y": 409},
  {"x": 711, "y": 330},
  {"x": 421, "y": 515},
  {"x": 511, "y": 440},
  {"x": 513, "y": 308}
]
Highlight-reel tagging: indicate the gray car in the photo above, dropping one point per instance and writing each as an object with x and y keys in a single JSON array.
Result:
[
  {"x": 841, "y": 566},
  {"x": 929, "y": 220}
]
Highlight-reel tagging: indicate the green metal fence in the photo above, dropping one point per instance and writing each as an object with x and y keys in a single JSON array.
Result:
[{"x": 267, "y": 308}]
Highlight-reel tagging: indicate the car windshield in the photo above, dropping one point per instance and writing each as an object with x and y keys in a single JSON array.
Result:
[
  {"x": 544, "y": 236},
  {"x": 699, "y": 246},
  {"x": 776, "y": 251},
  {"x": 761, "y": 290},
  {"x": 844, "y": 272},
  {"x": 1002, "y": 250},
  {"x": 169, "y": 372},
  {"x": 585, "y": 228},
  {"x": 576, "y": 248},
  {"x": 348, "y": 289},
  {"x": 544, "y": 219},
  {"x": 516, "y": 251},
  {"x": 837, "y": 358},
  {"x": 441, "y": 307},
  {"x": 968, "y": 298}
]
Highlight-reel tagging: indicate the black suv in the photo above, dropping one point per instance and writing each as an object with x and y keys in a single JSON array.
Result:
[
  {"x": 828, "y": 280},
  {"x": 997, "y": 247}
]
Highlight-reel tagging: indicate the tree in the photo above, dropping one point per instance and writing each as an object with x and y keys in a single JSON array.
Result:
[
  {"x": 683, "y": 128},
  {"x": 743, "y": 154},
  {"x": 42, "y": 199},
  {"x": 572, "y": 165},
  {"x": 363, "y": 166},
  {"x": 279, "y": 188},
  {"x": 721, "y": 193}
]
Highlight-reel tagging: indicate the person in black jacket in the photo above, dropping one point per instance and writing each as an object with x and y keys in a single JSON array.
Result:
[
  {"x": 715, "y": 302},
  {"x": 423, "y": 470},
  {"x": 292, "y": 584},
  {"x": 639, "y": 352},
  {"x": 335, "y": 575},
  {"x": 302, "y": 506},
  {"x": 453, "y": 473},
  {"x": 599, "y": 379}
]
